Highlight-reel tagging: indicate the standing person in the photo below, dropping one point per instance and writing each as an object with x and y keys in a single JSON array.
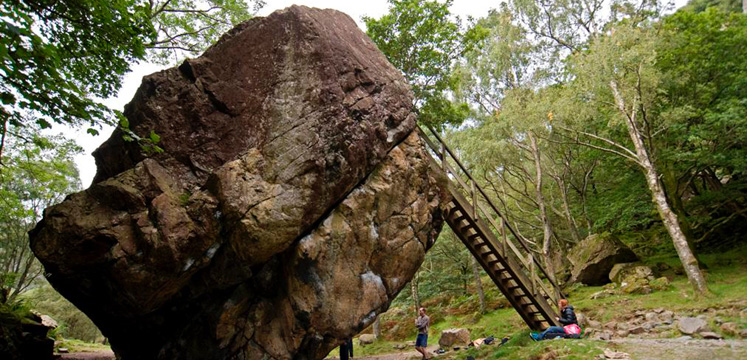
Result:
[
  {"x": 346, "y": 349},
  {"x": 423, "y": 322}
]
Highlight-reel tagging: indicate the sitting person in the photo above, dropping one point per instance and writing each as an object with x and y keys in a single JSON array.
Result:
[
  {"x": 549, "y": 333},
  {"x": 567, "y": 318}
]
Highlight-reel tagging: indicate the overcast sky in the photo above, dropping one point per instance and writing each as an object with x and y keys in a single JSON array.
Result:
[{"x": 356, "y": 10}]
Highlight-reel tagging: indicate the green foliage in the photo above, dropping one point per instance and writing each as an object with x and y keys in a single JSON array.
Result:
[
  {"x": 447, "y": 268},
  {"x": 423, "y": 40},
  {"x": 621, "y": 201},
  {"x": 734, "y": 6},
  {"x": 700, "y": 55},
  {"x": 187, "y": 27},
  {"x": 38, "y": 172},
  {"x": 73, "y": 324},
  {"x": 12, "y": 316},
  {"x": 499, "y": 61},
  {"x": 57, "y": 56}
]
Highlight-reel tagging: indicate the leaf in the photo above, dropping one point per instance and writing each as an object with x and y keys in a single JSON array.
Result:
[
  {"x": 124, "y": 123},
  {"x": 154, "y": 138},
  {"x": 44, "y": 124},
  {"x": 8, "y": 98}
]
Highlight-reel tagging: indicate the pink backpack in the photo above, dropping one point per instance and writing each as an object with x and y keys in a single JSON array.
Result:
[{"x": 572, "y": 329}]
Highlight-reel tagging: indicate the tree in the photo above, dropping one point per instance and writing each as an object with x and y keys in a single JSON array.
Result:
[
  {"x": 478, "y": 284},
  {"x": 58, "y": 57},
  {"x": 423, "y": 40},
  {"x": 723, "y": 5},
  {"x": 38, "y": 172},
  {"x": 617, "y": 76},
  {"x": 500, "y": 60},
  {"x": 187, "y": 27},
  {"x": 703, "y": 76}
]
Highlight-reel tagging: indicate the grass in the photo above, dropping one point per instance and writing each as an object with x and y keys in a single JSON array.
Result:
[
  {"x": 727, "y": 279},
  {"x": 521, "y": 347},
  {"x": 74, "y": 345}
]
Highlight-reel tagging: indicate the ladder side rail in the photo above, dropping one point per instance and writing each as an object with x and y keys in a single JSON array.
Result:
[
  {"x": 534, "y": 323},
  {"x": 522, "y": 279},
  {"x": 525, "y": 264},
  {"x": 513, "y": 266},
  {"x": 485, "y": 196}
]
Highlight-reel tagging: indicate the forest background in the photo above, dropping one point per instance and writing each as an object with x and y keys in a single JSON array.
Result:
[{"x": 578, "y": 117}]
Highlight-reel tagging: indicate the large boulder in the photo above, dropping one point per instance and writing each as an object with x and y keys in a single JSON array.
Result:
[
  {"x": 291, "y": 203},
  {"x": 454, "y": 337},
  {"x": 593, "y": 258}
]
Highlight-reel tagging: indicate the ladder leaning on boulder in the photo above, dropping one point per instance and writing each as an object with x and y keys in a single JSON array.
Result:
[{"x": 482, "y": 228}]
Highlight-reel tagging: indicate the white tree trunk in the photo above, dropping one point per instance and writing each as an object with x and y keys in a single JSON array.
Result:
[
  {"x": 546, "y": 224},
  {"x": 478, "y": 284},
  {"x": 377, "y": 327},
  {"x": 415, "y": 295},
  {"x": 669, "y": 218},
  {"x": 567, "y": 211}
]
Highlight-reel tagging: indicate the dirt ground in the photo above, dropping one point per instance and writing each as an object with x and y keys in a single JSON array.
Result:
[
  {"x": 679, "y": 349},
  {"x": 643, "y": 349},
  {"x": 97, "y": 355},
  {"x": 639, "y": 349}
]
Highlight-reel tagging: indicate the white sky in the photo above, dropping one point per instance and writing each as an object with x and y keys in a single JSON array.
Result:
[{"x": 356, "y": 9}]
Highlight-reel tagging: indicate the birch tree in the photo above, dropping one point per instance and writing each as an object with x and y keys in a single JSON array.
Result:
[{"x": 617, "y": 77}]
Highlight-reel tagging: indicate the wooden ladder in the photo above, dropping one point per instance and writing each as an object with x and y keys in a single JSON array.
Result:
[{"x": 484, "y": 231}]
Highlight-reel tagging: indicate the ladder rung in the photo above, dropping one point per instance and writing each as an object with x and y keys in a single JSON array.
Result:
[
  {"x": 466, "y": 227},
  {"x": 459, "y": 219}
]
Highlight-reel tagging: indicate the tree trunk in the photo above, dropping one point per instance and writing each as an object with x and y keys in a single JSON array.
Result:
[
  {"x": 414, "y": 288},
  {"x": 669, "y": 218},
  {"x": 377, "y": 327},
  {"x": 671, "y": 193},
  {"x": 546, "y": 225},
  {"x": 567, "y": 211},
  {"x": 478, "y": 284},
  {"x": 584, "y": 188}
]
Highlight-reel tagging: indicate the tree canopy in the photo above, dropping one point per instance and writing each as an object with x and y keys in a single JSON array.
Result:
[
  {"x": 58, "y": 59},
  {"x": 423, "y": 39}
]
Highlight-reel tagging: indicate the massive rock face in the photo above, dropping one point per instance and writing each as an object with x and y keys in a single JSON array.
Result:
[{"x": 292, "y": 202}]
